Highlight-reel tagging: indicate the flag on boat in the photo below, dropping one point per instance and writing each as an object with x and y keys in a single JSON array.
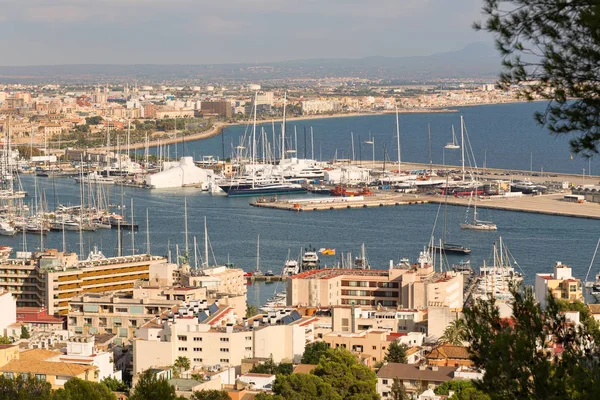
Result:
[{"x": 327, "y": 252}]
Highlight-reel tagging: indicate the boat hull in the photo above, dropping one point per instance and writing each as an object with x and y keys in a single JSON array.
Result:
[
  {"x": 480, "y": 227},
  {"x": 250, "y": 192}
]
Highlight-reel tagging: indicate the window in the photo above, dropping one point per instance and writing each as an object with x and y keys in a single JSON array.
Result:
[
  {"x": 224, "y": 350},
  {"x": 9, "y": 375},
  {"x": 374, "y": 347},
  {"x": 40, "y": 377},
  {"x": 248, "y": 337},
  {"x": 182, "y": 338},
  {"x": 385, "y": 382},
  {"x": 197, "y": 348},
  {"x": 182, "y": 349},
  {"x": 121, "y": 310},
  {"x": 197, "y": 360},
  {"x": 248, "y": 348},
  {"x": 197, "y": 339},
  {"x": 224, "y": 339},
  {"x": 224, "y": 360}
]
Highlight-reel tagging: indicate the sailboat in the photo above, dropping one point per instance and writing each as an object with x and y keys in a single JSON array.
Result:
[
  {"x": 448, "y": 248},
  {"x": 257, "y": 271},
  {"x": 269, "y": 187},
  {"x": 453, "y": 145},
  {"x": 476, "y": 224},
  {"x": 495, "y": 280}
]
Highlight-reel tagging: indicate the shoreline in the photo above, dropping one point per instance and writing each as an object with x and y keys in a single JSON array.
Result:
[{"x": 217, "y": 128}]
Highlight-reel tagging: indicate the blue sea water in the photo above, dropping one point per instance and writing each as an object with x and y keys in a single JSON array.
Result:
[
  {"x": 389, "y": 233},
  {"x": 505, "y": 135}
]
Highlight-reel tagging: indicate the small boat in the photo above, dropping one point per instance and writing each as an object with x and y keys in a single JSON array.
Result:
[
  {"x": 477, "y": 224},
  {"x": 7, "y": 229},
  {"x": 453, "y": 145},
  {"x": 5, "y": 252},
  {"x": 36, "y": 228},
  {"x": 267, "y": 189},
  {"x": 463, "y": 267},
  {"x": 310, "y": 259},
  {"x": 451, "y": 248},
  {"x": 95, "y": 177},
  {"x": 269, "y": 273}
]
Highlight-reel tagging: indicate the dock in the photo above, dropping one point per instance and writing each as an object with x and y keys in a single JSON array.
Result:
[
  {"x": 549, "y": 204},
  {"x": 265, "y": 278},
  {"x": 338, "y": 203}
]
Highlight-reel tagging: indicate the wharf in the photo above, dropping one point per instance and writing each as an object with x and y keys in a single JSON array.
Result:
[
  {"x": 549, "y": 204},
  {"x": 337, "y": 203},
  {"x": 265, "y": 278}
]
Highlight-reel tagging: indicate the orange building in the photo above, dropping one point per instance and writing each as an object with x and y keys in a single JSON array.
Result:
[{"x": 448, "y": 355}]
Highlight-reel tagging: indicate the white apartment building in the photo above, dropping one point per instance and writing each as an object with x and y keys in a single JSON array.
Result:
[
  {"x": 214, "y": 337},
  {"x": 320, "y": 106}
]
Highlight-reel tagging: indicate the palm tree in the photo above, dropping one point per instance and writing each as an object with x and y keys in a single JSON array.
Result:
[
  {"x": 455, "y": 333},
  {"x": 181, "y": 364}
]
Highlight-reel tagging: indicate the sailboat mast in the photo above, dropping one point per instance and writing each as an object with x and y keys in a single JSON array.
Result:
[
  {"x": 205, "y": 243},
  {"x": 462, "y": 146},
  {"x": 185, "y": 226},
  {"x": 258, "y": 253},
  {"x": 312, "y": 144},
  {"x": 147, "y": 233},
  {"x": 195, "y": 253},
  {"x": 398, "y": 139},
  {"x": 352, "y": 137},
  {"x": 283, "y": 127},
  {"x": 132, "y": 231}
]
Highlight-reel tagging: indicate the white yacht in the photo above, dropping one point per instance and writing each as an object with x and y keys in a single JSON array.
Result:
[{"x": 7, "y": 229}]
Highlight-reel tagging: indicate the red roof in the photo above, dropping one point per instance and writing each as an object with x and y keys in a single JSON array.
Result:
[{"x": 36, "y": 315}]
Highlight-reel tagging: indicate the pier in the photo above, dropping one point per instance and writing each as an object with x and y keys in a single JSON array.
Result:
[
  {"x": 265, "y": 278},
  {"x": 338, "y": 203},
  {"x": 550, "y": 204}
]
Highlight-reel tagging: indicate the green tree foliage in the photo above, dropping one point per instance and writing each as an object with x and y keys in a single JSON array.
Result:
[
  {"x": 149, "y": 387},
  {"x": 93, "y": 120},
  {"x": 115, "y": 385},
  {"x": 396, "y": 353},
  {"x": 553, "y": 46},
  {"x": 313, "y": 352},
  {"x": 304, "y": 387},
  {"x": 269, "y": 367},
  {"x": 5, "y": 340},
  {"x": 210, "y": 395},
  {"x": 338, "y": 375},
  {"x": 28, "y": 152},
  {"x": 514, "y": 353},
  {"x": 181, "y": 364},
  {"x": 251, "y": 310},
  {"x": 454, "y": 333},
  {"x": 463, "y": 390},
  {"x": 25, "y": 333},
  {"x": 398, "y": 391},
  {"x": 352, "y": 380},
  {"x": 78, "y": 389},
  {"x": 24, "y": 388}
]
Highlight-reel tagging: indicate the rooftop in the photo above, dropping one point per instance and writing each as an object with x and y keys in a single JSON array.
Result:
[
  {"x": 45, "y": 367},
  {"x": 413, "y": 372},
  {"x": 448, "y": 351},
  {"x": 332, "y": 273}
]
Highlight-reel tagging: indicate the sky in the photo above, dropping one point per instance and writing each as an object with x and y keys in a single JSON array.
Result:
[{"x": 42, "y": 32}]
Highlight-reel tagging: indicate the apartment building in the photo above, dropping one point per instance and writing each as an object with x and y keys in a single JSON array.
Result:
[
  {"x": 44, "y": 366},
  {"x": 122, "y": 313},
  {"x": 355, "y": 319},
  {"x": 414, "y": 287},
  {"x": 221, "y": 108},
  {"x": 219, "y": 279},
  {"x": 370, "y": 345},
  {"x": 320, "y": 106},
  {"x": 213, "y": 337},
  {"x": 52, "y": 278},
  {"x": 561, "y": 284},
  {"x": 414, "y": 378}
]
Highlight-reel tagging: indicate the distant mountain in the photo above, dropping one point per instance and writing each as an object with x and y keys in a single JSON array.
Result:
[{"x": 477, "y": 60}]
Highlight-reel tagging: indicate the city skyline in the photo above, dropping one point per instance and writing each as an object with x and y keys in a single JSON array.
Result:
[{"x": 259, "y": 31}]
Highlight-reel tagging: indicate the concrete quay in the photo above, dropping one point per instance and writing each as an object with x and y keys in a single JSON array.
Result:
[
  {"x": 551, "y": 204},
  {"x": 338, "y": 203}
]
